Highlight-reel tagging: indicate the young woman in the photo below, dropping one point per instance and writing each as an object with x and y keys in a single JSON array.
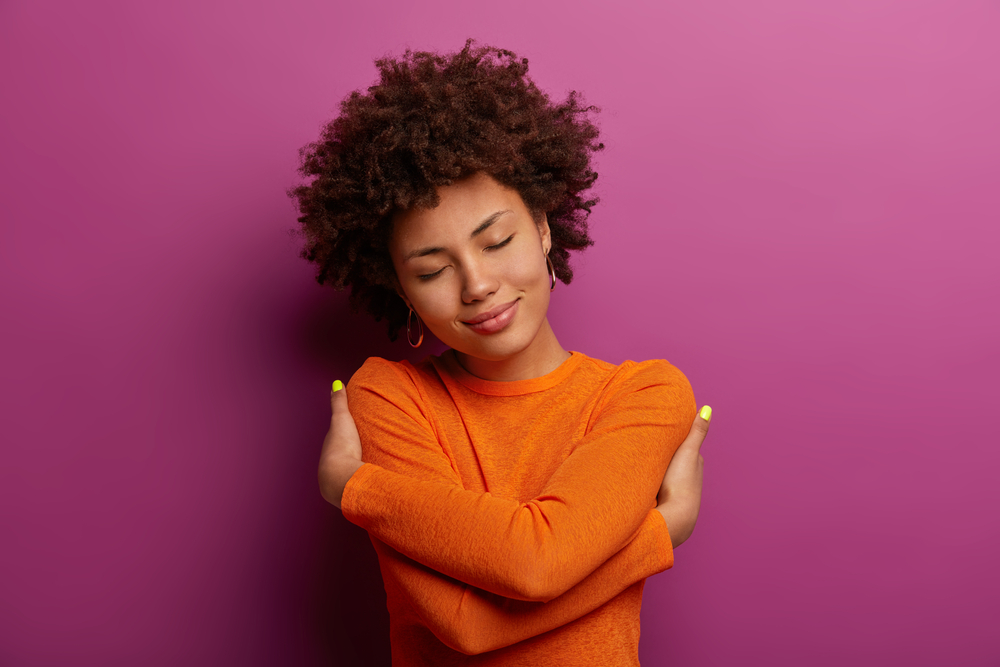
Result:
[{"x": 517, "y": 494}]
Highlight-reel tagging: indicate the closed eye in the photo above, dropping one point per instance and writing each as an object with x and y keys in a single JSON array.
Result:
[
  {"x": 501, "y": 244},
  {"x": 428, "y": 276}
]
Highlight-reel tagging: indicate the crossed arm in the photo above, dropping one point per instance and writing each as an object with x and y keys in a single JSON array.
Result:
[
  {"x": 471, "y": 620},
  {"x": 590, "y": 534}
]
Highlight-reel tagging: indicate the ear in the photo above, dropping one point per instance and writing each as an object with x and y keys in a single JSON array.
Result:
[
  {"x": 542, "y": 222},
  {"x": 403, "y": 297},
  {"x": 399, "y": 291}
]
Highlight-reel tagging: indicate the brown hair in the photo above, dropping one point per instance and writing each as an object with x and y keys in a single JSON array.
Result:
[{"x": 431, "y": 120}]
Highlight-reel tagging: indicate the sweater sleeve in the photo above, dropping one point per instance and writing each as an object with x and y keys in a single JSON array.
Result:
[
  {"x": 537, "y": 550},
  {"x": 472, "y": 621}
]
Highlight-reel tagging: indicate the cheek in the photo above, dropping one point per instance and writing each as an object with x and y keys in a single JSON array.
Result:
[
  {"x": 435, "y": 302},
  {"x": 531, "y": 275}
]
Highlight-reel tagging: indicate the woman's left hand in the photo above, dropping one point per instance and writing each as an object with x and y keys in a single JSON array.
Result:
[
  {"x": 341, "y": 455},
  {"x": 680, "y": 493}
]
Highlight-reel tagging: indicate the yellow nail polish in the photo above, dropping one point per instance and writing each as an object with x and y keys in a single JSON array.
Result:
[
  {"x": 337, "y": 385},
  {"x": 706, "y": 413}
]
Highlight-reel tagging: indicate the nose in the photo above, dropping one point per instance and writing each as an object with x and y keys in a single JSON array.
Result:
[{"x": 478, "y": 283}]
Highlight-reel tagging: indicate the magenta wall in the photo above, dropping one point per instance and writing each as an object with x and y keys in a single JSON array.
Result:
[{"x": 800, "y": 210}]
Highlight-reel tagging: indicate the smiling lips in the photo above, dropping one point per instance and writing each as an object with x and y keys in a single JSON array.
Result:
[{"x": 494, "y": 320}]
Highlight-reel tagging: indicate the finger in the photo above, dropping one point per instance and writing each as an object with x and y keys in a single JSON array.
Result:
[
  {"x": 338, "y": 398},
  {"x": 704, "y": 417},
  {"x": 699, "y": 429}
]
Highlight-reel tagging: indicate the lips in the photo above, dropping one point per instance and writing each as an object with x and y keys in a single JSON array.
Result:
[
  {"x": 490, "y": 314},
  {"x": 493, "y": 320}
]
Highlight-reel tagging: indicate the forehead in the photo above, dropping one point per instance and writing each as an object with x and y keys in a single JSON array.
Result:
[{"x": 463, "y": 207}]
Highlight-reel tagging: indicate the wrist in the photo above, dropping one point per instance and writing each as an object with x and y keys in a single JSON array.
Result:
[
  {"x": 334, "y": 474},
  {"x": 680, "y": 515}
]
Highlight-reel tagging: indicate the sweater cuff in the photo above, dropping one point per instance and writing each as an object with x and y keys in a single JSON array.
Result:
[{"x": 353, "y": 502}]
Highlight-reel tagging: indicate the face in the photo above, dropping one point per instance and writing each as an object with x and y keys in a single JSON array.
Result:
[{"x": 474, "y": 268}]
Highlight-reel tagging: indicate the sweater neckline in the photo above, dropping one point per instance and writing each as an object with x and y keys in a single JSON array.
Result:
[{"x": 449, "y": 364}]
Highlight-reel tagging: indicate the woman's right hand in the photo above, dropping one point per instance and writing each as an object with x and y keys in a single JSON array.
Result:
[
  {"x": 341, "y": 454},
  {"x": 679, "y": 499}
]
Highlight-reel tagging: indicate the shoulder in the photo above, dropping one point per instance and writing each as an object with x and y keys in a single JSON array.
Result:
[
  {"x": 634, "y": 373},
  {"x": 652, "y": 372},
  {"x": 654, "y": 379},
  {"x": 392, "y": 379},
  {"x": 376, "y": 370}
]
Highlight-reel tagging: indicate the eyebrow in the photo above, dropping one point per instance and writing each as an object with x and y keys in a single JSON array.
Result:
[{"x": 483, "y": 226}]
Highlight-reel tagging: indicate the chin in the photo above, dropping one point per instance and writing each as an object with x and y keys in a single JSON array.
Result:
[{"x": 495, "y": 347}]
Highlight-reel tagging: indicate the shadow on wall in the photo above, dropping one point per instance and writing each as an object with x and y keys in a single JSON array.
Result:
[
  {"x": 345, "y": 610},
  {"x": 342, "y": 595},
  {"x": 332, "y": 337}
]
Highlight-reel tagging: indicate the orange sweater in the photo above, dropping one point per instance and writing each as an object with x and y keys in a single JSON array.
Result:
[{"x": 513, "y": 521}]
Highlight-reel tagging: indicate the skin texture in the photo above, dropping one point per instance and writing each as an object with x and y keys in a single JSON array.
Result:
[
  {"x": 473, "y": 270},
  {"x": 468, "y": 274},
  {"x": 679, "y": 499}
]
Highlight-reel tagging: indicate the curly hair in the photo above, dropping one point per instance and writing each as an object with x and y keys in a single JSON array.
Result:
[{"x": 433, "y": 119}]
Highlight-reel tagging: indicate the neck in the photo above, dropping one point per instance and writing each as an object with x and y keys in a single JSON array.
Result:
[{"x": 541, "y": 357}]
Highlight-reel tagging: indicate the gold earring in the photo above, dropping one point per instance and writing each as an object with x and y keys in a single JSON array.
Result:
[
  {"x": 420, "y": 326},
  {"x": 552, "y": 272}
]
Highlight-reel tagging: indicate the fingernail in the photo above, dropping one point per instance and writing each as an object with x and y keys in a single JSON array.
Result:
[
  {"x": 337, "y": 385},
  {"x": 706, "y": 413}
]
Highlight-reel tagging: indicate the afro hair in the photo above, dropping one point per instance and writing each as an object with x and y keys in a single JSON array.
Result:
[{"x": 431, "y": 120}]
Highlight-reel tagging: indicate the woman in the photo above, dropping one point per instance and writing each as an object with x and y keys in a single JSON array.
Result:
[{"x": 517, "y": 494}]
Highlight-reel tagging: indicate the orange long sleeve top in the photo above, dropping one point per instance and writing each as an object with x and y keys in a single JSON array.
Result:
[{"x": 514, "y": 521}]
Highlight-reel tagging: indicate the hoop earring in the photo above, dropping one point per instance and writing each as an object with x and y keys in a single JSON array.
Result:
[
  {"x": 420, "y": 326},
  {"x": 552, "y": 272}
]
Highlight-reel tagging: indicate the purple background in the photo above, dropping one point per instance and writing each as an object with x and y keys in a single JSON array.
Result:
[{"x": 800, "y": 210}]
